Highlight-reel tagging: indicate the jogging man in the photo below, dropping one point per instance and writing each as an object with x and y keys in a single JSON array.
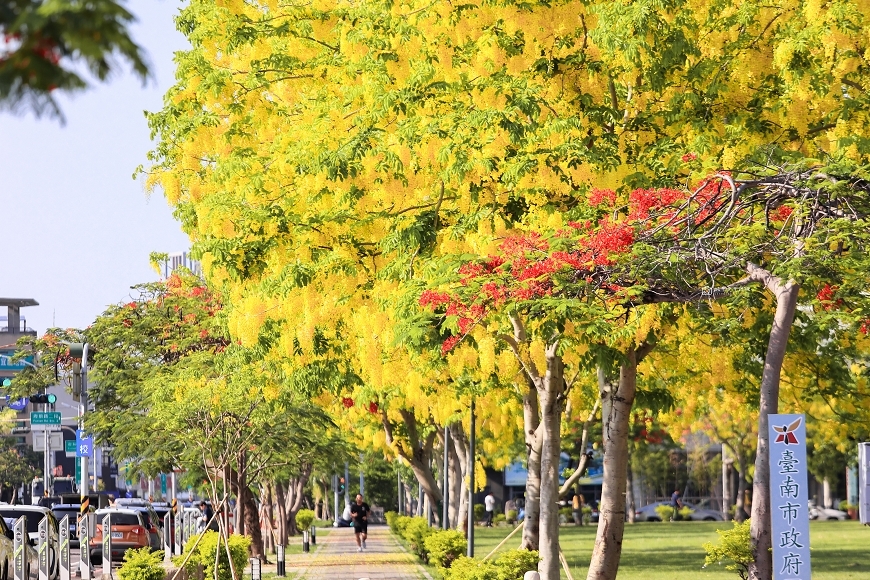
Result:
[{"x": 359, "y": 513}]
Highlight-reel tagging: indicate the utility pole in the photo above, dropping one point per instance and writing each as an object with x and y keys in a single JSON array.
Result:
[
  {"x": 77, "y": 350},
  {"x": 346, "y": 483}
]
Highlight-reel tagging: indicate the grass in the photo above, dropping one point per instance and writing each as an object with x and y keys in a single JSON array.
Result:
[{"x": 673, "y": 551}]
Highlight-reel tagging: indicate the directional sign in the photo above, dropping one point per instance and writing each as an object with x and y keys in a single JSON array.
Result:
[
  {"x": 69, "y": 447},
  {"x": 45, "y": 418},
  {"x": 19, "y": 404},
  {"x": 163, "y": 484},
  {"x": 84, "y": 444}
]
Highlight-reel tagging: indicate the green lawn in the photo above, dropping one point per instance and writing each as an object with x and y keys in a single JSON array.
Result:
[{"x": 673, "y": 551}]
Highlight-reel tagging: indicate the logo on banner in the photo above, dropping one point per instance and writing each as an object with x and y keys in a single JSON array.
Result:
[{"x": 786, "y": 434}]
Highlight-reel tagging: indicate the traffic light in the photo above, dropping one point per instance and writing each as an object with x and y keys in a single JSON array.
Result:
[{"x": 45, "y": 399}]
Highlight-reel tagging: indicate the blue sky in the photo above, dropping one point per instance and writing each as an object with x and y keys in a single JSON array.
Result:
[{"x": 77, "y": 229}]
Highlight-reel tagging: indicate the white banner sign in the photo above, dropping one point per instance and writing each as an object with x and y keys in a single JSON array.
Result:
[
  {"x": 789, "y": 504},
  {"x": 864, "y": 483}
]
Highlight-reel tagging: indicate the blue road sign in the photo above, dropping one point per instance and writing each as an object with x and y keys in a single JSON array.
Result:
[
  {"x": 84, "y": 444},
  {"x": 19, "y": 405}
]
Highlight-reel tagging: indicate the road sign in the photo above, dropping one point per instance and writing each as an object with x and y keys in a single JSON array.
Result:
[
  {"x": 163, "y": 484},
  {"x": 18, "y": 404},
  {"x": 55, "y": 442},
  {"x": 69, "y": 446},
  {"x": 84, "y": 444},
  {"x": 45, "y": 418},
  {"x": 78, "y": 469}
]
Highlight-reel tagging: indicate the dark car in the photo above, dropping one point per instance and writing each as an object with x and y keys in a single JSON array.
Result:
[{"x": 63, "y": 510}]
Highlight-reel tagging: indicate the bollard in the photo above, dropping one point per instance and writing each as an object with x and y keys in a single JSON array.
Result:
[
  {"x": 305, "y": 547},
  {"x": 313, "y": 535},
  {"x": 20, "y": 565},
  {"x": 42, "y": 556},
  {"x": 256, "y": 569},
  {"x": 280, "y": 564}
]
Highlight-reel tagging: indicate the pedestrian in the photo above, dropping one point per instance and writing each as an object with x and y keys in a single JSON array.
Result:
[
  {"x": 205, "y": 516},
  {"x": 577, "y": 505},
  {"x": 359, "y": 512},
  {"x": 676, "y": 504},
  {"x": 489, "y": 504}
]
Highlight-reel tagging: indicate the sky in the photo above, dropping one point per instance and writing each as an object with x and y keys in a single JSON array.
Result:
[{"x": 77, "y": 229}]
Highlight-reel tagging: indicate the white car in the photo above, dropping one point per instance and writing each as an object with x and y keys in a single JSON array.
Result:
[
  {"x": 823, "y": 513},
  {"x": 34, "y": 515},
  {"x": 648, "y": 513}
]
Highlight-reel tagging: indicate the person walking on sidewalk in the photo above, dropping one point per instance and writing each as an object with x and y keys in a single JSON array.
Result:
[{"x": 359, "y": 513}]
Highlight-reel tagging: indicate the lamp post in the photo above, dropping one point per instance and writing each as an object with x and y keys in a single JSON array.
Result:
[{"x": 80, "y": 350}]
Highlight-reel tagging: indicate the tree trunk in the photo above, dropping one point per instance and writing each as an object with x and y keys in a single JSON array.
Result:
[
  {"x": 454, "y": 479},
  {"x": 616, "y": 403},
  {"x": 267, "y": 517},
  {"x": 742, "y": 486},
  {"x": 629, "y": 490},
  {"x": 786, "y": 294},
  {"x": 295, "y": 496},
  {"x": 280, "y": 498},
  {"x": 726, "y": 484},
  {"x": 534, "y": 442},
  {"x": 550, "y": 395},
  {"x": 460, "y": 446}
]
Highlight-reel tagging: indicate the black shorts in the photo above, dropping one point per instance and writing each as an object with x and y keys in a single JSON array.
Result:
[{"x": 363, "y": 529}]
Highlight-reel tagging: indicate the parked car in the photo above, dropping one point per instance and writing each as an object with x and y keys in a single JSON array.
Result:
[
  {"x": 824, "y": 514},
  {"x": 7, "y": 551},
  {"x": 34, "y": 515},
  {"x": 648, "y": 513},
  {"x": 130, "y": 530},
  {"x": 63, "y": 510}
]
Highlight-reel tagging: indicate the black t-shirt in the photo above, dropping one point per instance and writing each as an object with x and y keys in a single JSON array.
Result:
[{"x": 358, "y": 512}]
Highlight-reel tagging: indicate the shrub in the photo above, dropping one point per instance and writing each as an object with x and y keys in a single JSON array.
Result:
[
  {"x": 415, "y": 533},
  {"x": 402, "y": 523},
  {"x": 734, "y": 549},
  {"x": 513, "y": 564},
  {"x": 444, "y": 546},
  {"x": 142, "y": 564},
  {"x": 465, "y": 568},
  {"x": 499, "y": 519},
  {"x": 304, "y": 519},
  {"x": 207, "y": 551},
  {"x": 685, "y": 514},
  {"x": 479, "y": 510},
  {"x": 392, "y": 521},
  {"x": 665, "y": 512},
  {"x": 512, "y": 516}
]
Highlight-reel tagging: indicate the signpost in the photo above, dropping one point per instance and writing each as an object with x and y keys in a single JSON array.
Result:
[
  {"x": 864, "y": 483},
  {"x": 179, "y": 523},
  {"x": 107, "y": 546},
  {"x": 20, "y": 567},
  {"x": 69, "y": 447},
  {"x": 790, "y": 518},
  {"x": 42, "y": 550},
  {"x": 45, "y": 418},
  {"x": 63, "y": 537},
  {"x": 84, "y": 444},
  {"x": 84, "y": 528}
]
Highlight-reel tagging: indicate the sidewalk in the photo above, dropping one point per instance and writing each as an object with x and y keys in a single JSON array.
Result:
[{"x": 336, "y": 558}]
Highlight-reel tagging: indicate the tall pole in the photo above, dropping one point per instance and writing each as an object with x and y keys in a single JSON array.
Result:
[
  {"x": 399, "y": 492},
  {"x": 445, "y": 490},
  {"x": 84, "y": 485},
  {"x": 335, "y": 497},
  {"x": 346, "y": 484},
  {"x": 471, "y": 442},
  {"x": 362, "y": 480}
]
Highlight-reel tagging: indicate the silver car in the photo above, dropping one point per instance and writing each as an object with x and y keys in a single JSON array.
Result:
[
  {"x": 648, "y": 513},
  {"x": 825, "y": 514}
]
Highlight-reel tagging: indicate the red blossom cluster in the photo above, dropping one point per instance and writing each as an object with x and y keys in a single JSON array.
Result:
[
  {"x": 373, "y": 408},
  {"x": 642, "y": 201},
  {"x": 347, "y": 402},
  {"x": 602, "y": 197},
  {"x": 449, "y": 343},
  {"x": 826, "y": 296},
  {"x": 689, "y": 157}
]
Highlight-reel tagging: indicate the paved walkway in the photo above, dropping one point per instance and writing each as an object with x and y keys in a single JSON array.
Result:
[{"x": 336, "y": 558}]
